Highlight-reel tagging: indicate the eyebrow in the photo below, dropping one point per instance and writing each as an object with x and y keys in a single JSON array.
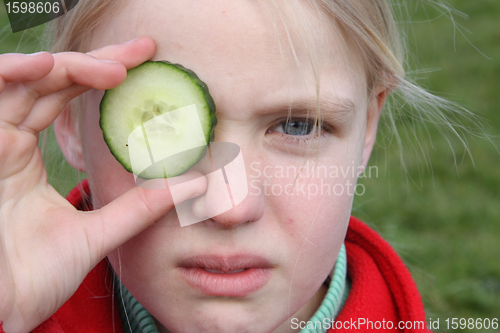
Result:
[{"x": 340, "y": 107}]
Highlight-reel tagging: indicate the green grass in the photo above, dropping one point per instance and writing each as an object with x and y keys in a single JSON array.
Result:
[
  {"x": 443, "y": 213},
  {"x": 445, "y": 220}
]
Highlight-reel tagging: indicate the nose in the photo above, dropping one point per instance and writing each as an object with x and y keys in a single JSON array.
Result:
[
  {"x": 249, "y": 210},
  {"x": 228, "y": 202}
]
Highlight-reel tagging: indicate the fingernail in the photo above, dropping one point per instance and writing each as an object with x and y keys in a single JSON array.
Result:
[
  {"x": 109, "y": 61},
  {"x": 36, "y": 54},
  {"x": 131, "y": 41}
]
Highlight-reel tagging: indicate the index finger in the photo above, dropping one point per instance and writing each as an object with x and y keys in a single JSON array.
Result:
[
  {"x": 81, "y": 69},
  {"x": 143, "y": 48}
]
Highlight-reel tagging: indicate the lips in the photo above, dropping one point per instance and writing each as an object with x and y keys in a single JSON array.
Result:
[{"x": 233, "y": 276}]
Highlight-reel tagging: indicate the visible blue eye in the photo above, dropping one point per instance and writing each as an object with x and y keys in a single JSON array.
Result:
[{"x": 296, "y": 127}]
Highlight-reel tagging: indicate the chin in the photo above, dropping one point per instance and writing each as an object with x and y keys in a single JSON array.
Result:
[{"x": 224, "y": 316}]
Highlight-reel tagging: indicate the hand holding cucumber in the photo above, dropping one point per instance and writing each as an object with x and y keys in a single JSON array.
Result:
[{"x": 46, "y": 246}]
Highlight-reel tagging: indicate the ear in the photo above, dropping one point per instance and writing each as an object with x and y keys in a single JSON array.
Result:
[
  {"x": 375, "y": 106},
  {"x": 68, "y": 137}
]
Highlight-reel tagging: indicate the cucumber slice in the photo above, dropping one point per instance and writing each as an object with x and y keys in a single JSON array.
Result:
[{"x": 159, "y": 121}]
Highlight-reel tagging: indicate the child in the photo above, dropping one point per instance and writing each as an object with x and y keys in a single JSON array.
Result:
[{"x": 293, "y": 82}]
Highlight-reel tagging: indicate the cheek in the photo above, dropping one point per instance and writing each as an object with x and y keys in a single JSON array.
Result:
[
  {"x": 317, "y": 213},
  {"x": 312, "y": 204},
  {"x": 316, "y": 216},
  {"x": 149, "y": 256},
  {"x": 140, "y": 256}
]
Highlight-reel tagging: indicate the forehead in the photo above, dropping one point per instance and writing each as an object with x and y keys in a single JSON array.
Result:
[{"x": 243, "y": 48}]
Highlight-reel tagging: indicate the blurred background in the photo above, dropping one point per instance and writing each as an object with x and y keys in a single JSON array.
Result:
[{"x": 435, "y": 202}]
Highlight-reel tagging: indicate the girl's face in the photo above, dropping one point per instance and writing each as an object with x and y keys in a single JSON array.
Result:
[{"x": 288, "y": 231}]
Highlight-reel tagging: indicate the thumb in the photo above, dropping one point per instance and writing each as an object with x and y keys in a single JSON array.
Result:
[{"x": 128, "y": 215}]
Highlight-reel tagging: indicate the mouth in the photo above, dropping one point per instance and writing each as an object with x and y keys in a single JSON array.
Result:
[
  {"x": 229, "y": 276},
  {"x": 222, "y": 272}
]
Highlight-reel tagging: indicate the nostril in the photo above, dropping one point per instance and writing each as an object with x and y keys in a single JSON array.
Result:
[
  {"x": 216, "y": 208},
  {"x": 225, "y": 223}
]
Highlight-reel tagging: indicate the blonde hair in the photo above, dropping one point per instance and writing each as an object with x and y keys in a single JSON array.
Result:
[{"x": 74, "y": 30}]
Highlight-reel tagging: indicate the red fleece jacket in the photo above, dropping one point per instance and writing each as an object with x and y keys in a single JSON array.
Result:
[{"x": 382, "y": 290}]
